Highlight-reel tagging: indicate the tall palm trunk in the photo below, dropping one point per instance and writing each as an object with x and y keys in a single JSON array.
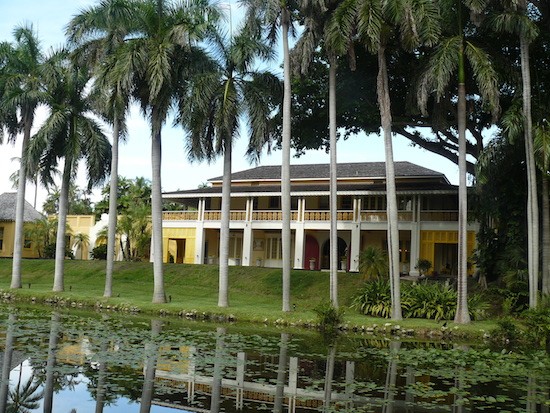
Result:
[
  {"x": 545, "y": 235},
  {"x": 333, "y": 185},
  {"x": 223, "y": 300},
  {"x": 462, "y": 315},
  {"x": 113, "y": 203},
  {"x": 532, "y": 203},
  {"x": 281, "y": 374},
  {"x": 19, "y": 236},
  {"x": 285, "y": 169},
  {"x": 156, "y": 210},
  {"x": 391, "y": 195},
  {"x": 61, "y": 242},
  {"x": 217, "y": 374}
]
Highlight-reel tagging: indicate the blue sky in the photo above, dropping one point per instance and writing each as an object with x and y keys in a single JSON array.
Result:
[{"x": 49, "y": 19}]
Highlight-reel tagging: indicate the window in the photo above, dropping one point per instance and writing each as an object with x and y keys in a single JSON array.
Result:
[
  {"x": 1, "y": 238},
  {"x": 404, "y": 203},
  {"x": 324, "y": 203},
  {"x": 274, "y": 202},
  {"x": 274, "y": 248},
  {"x": 347, "y": 202},
  {"x": 374, "y": 203}
]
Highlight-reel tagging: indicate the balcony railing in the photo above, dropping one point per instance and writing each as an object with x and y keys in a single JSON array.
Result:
[
  {"x": 439, "y": 215},
  {"x": 277, "y": 215},
  {"x": 180, "y": 215},
  {"x": 325, "y": 215}
]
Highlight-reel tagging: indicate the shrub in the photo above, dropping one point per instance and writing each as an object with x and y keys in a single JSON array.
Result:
[
  {"x": 374, "y": 299},
  {"x": 49, "y": 252},
  {"x": 373, "y": 263},
  {"x": 100, "y": 252},
  {"x": 328, "y": 316},
  {"x": 537, "y": 322},
  {"x": 430, "y": 300},
  {"x": 423, "y": 265}
]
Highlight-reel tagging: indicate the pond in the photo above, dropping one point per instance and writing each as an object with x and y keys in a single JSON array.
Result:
[{"x": 62, "y": 362}]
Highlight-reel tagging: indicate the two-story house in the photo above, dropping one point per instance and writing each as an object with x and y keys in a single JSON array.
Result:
[{"x": 427, "y": 203}]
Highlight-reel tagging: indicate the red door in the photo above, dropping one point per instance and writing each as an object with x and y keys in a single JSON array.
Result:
[{"x": 312, "y": 253}]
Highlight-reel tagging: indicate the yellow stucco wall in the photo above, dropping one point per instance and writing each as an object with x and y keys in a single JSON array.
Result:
[
  {"x": 7, "y": 242},
  {"x": 80, "y": 224},
  {"x": 428, "y": 240},
  {"x": 170, "y": 237}
]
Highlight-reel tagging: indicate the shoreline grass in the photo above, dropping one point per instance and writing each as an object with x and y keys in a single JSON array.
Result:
[{"x": 254, "y": 294}]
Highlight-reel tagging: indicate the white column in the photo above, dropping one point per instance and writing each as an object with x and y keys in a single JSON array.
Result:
[
  {"x": 199, "y": 243},
  {"x": 247, "y": 244},
  {"x": 415, "y": 237},
  {"x": 299, "y": 246}
]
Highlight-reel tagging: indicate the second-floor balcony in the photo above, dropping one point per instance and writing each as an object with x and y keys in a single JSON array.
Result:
[{"x": 310, "y": 216}]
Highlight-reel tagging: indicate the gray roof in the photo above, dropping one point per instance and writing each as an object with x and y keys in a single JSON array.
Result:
[
  {"x": 8, "y": 202},
  {"x": 344, "y": 170}
]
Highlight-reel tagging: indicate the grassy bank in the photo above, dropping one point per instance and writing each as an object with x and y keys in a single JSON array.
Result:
[{"x": 254, "y": 296}]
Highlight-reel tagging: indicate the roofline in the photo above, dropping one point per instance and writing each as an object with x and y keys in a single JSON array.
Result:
[
  {"x": 309, "y": 193},
  {"x": 346, "y": 178}
]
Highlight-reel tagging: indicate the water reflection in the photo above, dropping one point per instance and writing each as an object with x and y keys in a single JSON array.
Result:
[{"x": 111, "y": 365}]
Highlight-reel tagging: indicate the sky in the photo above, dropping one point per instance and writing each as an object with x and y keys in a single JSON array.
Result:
[{"x": 49, "y": 19}]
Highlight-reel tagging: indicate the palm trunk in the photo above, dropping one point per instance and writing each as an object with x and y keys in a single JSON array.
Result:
[
  {"x": 285, "y": 169},
  {"x": 333, "y": 186},
  {"x": 156, "y": 211},
  {"x": 113, "y": 203},
  {"x": 391, "y": 195},
  {"x": 462, "y": 315},
  {"x": 61, "y": 242},
  {"x": 532, "y": 204},
  {"x": 19, "y": 237},
  {"x": 223, "y": 300},
  {"x": 329, "y": 378},
  {"x": 545, "y": 235}
]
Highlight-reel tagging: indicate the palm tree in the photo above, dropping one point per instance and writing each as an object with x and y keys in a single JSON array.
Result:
[
  {"x": 24, "y": 399},
  {"x": 316, "y": 30},
  {"x": 154, "y": 61},
  {"x": 279, "y": 14},
  {"x": 71, "y": 133},
  {"x": 514, "y": 19},
  {"x": 450, "y": 57},
  {"x": 98, "y": 31},
  {"x": 21, "y": 91},
  {"x": 542, "y": 156},
  {"x": 80, "y": 242},
  {"x": 373, "y": 23},
  {"x": 219, "y": 101}
]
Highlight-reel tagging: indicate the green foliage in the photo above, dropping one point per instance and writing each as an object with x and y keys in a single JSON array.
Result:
[
  {"x": 431, "y": 300},
  {"x": 374, "y": 299},
  {"x": 100, "y": 252},
  {"x": 537, "y": 322},
  {"x": 507, "y": 333},
  {"x": 373, "y": 263},
  {"x": 49, "y": 251},
  {"x": 328, "y": 316}
]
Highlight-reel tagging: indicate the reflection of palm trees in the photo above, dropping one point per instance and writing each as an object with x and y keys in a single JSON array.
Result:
[
  {"x": 24, "y": 398},
  {"x": 6, "y": 362},
  {"x": 391, "y": 378},
  {"x": 50, "y": 364},
  {"x": 281, "y": 374},
  {"x": 151, "y": 353},
  {"x": 329, "y": 375},
  {"x": 218, "y": 371}
]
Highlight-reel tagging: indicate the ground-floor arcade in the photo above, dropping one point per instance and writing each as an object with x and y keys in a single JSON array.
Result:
[{"x": 310, "y": 248}]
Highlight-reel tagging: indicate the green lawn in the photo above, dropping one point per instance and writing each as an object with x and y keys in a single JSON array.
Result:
[{"x": 255, "y": 293}]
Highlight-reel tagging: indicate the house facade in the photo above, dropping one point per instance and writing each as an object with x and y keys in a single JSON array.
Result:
[
  {"x": 427, "y": 204},
  {"x": 8, "y": 203}
]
